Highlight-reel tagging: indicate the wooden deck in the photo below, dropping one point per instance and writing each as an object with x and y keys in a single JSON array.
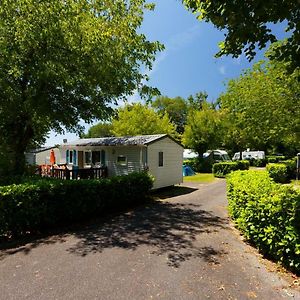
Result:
[{"x": 75, "y": 174}]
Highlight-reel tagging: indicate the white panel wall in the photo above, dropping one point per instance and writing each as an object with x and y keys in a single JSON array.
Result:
[
  {"x": 133, "y": 156},
  {"x": 171, "y": 172}
]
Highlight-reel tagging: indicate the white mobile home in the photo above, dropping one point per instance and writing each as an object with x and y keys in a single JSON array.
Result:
[
  {"x": 42, "y": 156},
  {"x": 159, "y": 154}
]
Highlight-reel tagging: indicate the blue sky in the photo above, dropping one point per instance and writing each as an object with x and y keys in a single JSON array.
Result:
[{"x": 187, "y": 65}]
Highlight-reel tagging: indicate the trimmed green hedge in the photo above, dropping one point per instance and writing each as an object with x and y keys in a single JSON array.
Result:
[
  {"x": 223, "y": 168},
  {"x": 38, "y": 205},
  {"x": 267, "y": 213},
  {"x": 274, "y": 158},
  {"x": 278, "y": 172},
  {"x": 259, "y": 162}
]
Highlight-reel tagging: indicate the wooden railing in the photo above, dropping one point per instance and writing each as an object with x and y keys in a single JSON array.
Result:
[{"x": 88, "y": 173}]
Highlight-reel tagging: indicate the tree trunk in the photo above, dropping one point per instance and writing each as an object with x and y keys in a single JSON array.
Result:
[{"x": 19, "y": 144}]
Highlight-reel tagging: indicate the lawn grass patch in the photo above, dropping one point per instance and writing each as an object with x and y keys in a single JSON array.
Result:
[{"x": 200, "y": 177}]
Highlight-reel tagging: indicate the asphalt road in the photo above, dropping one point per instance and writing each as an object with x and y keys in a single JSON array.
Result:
[{"x": 182, "y": 247}]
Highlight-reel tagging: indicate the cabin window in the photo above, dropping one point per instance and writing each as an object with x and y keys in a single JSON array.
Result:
[
  {"x": 160, "y": 159},
  {"x": 71, "y": 157},
  {"x": 122, "y": 160},
  {"x": 88, "y": 157},
  {"x": 96, "y": 157}
]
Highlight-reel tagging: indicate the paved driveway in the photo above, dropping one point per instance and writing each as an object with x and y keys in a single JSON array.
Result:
[{"x": 181, "y": 247}]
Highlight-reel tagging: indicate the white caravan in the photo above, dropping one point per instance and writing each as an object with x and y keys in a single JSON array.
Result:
[{"x": 249, "y": 155}]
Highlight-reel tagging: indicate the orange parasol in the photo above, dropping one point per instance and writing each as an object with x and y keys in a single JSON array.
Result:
[{"x": 52, "y": 157}]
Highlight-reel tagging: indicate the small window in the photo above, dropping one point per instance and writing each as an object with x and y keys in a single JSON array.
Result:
[
  {"x": 160, "y": 159},
  {"x": 122, "y": 160},
  {"x": 71, "y": 157},
  {"x": 88, "y": 158}
]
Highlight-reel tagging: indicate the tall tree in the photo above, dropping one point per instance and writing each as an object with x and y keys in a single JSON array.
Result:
[
  {"x": 262, "y": 109},
  {"x": 203, "y": 130},
  {"x": 247, "y": 25},
  {"x": 62, "y": 61},
  {"x": 99, "y": 130},
  {"x": 176, "y": 108},
  {"x": 138, "y": 119}
]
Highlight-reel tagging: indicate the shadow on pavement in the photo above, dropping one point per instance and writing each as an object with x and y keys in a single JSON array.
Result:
[
  {"x": 168, "y": 228},
  {"x": 169, "y": 192}
]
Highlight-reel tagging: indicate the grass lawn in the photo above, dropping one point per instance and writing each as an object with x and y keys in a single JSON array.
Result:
[
  {"x": 200, "y": 177},
  {"x": 296, "y": 183}
]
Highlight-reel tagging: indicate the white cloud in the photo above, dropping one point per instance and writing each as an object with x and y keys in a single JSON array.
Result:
[{"x": 222, "y": 70}]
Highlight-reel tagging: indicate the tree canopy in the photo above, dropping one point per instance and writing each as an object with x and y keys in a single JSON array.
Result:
[
  {"x": 139, "y": 119},
  {"x": 262, "y": 110},
  {"x": 176, "y": 108},
  {"x": 203, "y": 130},
  {"x": 63, "y": 61},
  {"x": 247, "y": 25},
  {"x": 99, "y": 130}
]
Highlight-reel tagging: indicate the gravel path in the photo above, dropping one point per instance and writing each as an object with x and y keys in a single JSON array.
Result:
[{"x": 182, "y": 247}]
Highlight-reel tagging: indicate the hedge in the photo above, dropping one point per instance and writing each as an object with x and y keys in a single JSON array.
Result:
[
  {"x": 38, "y": 205},
  {"x": 274, "y": 158},
  {"x": 278, "y": 172},
  {"x": 223, "y": 168},
  {"x": 199, "y": 165},
  {"x": 267, "y": 214}
]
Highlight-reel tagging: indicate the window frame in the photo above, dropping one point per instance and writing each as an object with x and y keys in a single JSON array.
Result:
[
  {"x": 121, "y": 163},
  {"x": 160, "y": 159}
]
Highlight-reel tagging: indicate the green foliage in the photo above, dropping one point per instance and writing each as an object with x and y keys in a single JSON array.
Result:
[
  {"x": 176, "y": 108},
  {"x": 138, "y": 119},
  {"x": 66, "y": 61},
  {"x": 274, "y": 158},
  {"x": 291, "y": 165},
  {"x": 258, "y": 162},
  {"x": 203, "y": 130},
  {"x": 261, "y": 110},
  {"x": 247, "y": 25},
  {"x": 199, "y": 165},
  {"x": 267, "y": 214},
  {"x": 278, "y": 172},
  {"x": 37, "y": 205},
  {"x": 222, "y": 169},
  {"x": 99, "y": 130}
]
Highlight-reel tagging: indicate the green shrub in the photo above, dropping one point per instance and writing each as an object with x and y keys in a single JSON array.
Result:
[
  {"x": 267, "y": 213},
  {"x": 259, "y": 162},
  {"x": 274, "y": 158},
  {"x": 291, "y": 165},
  {"x": 199, "y": 165},
  {"x": 278, "y": 172},
  {"x": 37, "y": 205},
  {"x": 243, "y": 164},
  {"x": 223, "y": 168}
]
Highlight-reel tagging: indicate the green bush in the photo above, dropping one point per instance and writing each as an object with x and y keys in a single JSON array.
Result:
[
  {"x": 274, "y": 158},
  {"x": 223, "y": 168},
  {"x": 291, "y": 165},
  {"x": 267, "y": 213},
  {"x": 278, "y": 172},
  {"x": 199, "y": 165},
  {"x": 37, "y": 205},
  {"x": 259, "y": 162}
]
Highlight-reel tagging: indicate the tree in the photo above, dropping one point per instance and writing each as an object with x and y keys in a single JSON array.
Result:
[
  {"x": 138, "y": 119},
  {"x": 203, "y": 130},
  {"x": 247, "y": 24},
  {"x": 62, "y": 61},
  {"x": 176, "y": 108},
  {"x": 262, "y": 109},
  {"x": 196, "y": 102},
  {"x": 99, "y": 130}
]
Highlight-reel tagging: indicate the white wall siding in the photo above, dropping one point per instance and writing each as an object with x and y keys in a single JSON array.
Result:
[
  {"x": 133, "y": 160},
  {"x": 171, "y": 172}
]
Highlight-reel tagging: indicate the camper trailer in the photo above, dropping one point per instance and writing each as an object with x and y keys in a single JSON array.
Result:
[
  {"x": 249, "y": 155},
  {"x": 216, "y": 155}
]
